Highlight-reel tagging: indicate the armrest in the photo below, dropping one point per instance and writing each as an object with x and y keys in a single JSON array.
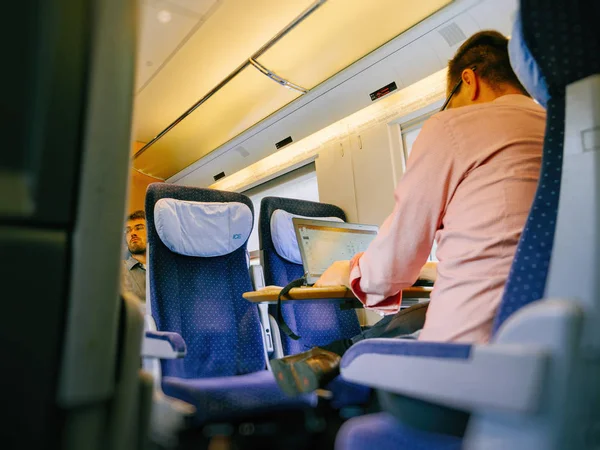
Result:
[
  {"x": 257, "y": 277},
  {"x": 504, "y": 377},
  {"x": 163, "y": 345},
  {"x": 531, "y": 347}
]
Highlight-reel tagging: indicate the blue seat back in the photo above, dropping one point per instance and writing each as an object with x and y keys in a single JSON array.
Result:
[
  {"x": 527, "y": 277},
  {"x": 201, "y": 298},
  {"x": 316, "y": 323},
  {"x": 563, "y": 54}
]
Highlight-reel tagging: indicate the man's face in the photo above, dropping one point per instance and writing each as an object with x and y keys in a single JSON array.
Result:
[{"x": 135, "y": 235}]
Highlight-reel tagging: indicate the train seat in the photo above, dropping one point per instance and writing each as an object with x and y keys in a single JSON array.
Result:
[
  {"x": 316, "y": 323},
  {"x": 197, "y": 274},
  {"x": 534, "y": 386}
]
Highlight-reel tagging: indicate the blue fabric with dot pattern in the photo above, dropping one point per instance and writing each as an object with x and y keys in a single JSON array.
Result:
[
  {"x": 407, "y": 347},
  {"x": 201, "y": 299},
  {"x": 564, "y": 41},
  {"x": 316, "y": 323},
  {"x": 526, "y": 280}
]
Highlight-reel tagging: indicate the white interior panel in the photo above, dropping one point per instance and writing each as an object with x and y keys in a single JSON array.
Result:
[
  {"x": 336, "y": 179},
  {"x": 373, "y": 174},
  {"x": 235, "y": 30},
  {"x": 415, "y": 61},
  {"x": 444, "y": 39},
  {"x": 495, "y": 15},
  {"x": 165, "y": 27}
]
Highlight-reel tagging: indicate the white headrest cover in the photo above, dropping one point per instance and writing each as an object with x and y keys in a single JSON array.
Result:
[
  {"x": 202, "y": 229},
  {"x": 284, "y": 236}
]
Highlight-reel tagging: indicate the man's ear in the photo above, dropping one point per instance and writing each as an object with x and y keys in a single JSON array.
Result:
[{"x": 471, "y": 83}]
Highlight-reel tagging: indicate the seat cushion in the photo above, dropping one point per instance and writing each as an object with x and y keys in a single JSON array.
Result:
[
  {"x": 383, "y": 432},
  {"x": 231, "y": 397}
]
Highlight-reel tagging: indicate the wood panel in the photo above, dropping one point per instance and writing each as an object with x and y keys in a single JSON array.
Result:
[
  {"x": 270, "y": 293},
  {"x": 138, "y": 183}
]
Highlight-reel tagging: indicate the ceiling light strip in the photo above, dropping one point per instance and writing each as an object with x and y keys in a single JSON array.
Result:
[
  {"x": 273, "y": 76},
  {"x": 400, "y": 103},
  {"x": 293, "y": 24}
]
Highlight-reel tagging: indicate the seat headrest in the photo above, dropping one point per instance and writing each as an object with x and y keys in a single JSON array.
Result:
[
  {"x": 284, "y": 236},
  {"x": 204, "y": 229},
  {"x": 525, "y": 66}
]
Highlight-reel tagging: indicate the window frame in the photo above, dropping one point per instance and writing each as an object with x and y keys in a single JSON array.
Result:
[
  {"x": 408, "y": 123},
  {"x": 280, "y": 180}
]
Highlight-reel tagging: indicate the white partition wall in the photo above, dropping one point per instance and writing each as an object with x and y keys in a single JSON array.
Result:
[
  {"x": 373, "y": 161},
  {"x": 336, "y": 177},
  {"x": 357, "y": 175}
]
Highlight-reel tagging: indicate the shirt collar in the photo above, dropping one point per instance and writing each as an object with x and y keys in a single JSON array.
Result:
[
  {"x": 513, "y": 98},
  {"x": 131, "y": 262}
]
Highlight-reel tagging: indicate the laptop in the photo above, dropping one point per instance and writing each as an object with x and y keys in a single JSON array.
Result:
[{"x": 323, "y": 242}]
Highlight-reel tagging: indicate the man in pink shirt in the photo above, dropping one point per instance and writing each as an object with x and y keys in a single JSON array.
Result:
[{"x": 469, "y": 185}]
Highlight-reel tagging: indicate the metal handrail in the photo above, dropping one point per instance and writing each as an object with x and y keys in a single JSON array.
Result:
[
  {"x": 276, "y": 78},
  {"x": 250, "y": 61}
]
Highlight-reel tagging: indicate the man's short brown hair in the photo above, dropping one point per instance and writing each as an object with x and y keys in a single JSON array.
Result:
[
  {"x": 488, "y": 52},
  {"x": 140, "y": 214}
]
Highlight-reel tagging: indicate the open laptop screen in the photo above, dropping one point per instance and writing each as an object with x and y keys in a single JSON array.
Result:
[{"x": 323, "y": 242}]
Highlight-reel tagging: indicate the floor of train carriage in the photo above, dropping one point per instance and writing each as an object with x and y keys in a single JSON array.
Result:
[{"x": 313, "y": 429}]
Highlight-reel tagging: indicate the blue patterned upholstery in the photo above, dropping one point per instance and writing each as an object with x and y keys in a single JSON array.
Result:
[
  {"x": 201, "y": 299},
  {"x": 316, "y": 323},
  {"x": 386, "y": 346},
  {"x": 527, "y": 277},
  {"x": 384, "y": 432},
  {"x": 563, "y": 39}
]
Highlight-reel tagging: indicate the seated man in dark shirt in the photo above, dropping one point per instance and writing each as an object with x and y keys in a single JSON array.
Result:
[{"x": 134, "y": 268}]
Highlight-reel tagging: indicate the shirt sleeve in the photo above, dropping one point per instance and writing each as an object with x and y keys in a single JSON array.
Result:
[{"x": 394, "y": 259}]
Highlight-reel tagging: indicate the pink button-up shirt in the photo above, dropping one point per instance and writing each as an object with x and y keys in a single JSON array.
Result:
[{"x": 469, "y": 185}]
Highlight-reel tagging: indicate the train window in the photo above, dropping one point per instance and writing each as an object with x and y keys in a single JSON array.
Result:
[
  {"x": 432, "y": 255},
  {"x": 300, "y": 184},
  {"x": 411, "y": 128},
  {"x": 408, "y": 139}
]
